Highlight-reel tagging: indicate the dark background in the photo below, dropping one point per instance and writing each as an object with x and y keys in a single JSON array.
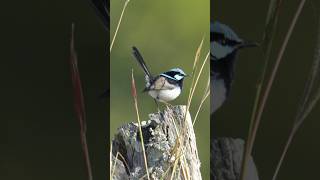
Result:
[
  {"x": 39, "y": 126},
  {"x": 247, "y": 18}
]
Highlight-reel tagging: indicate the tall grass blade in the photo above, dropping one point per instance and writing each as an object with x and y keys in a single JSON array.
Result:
[
  {"x": 197, "y": 57},
  {"x": 119, "y": 22},
  {"x": 267, "y": 41},
  {"x": 314, "y": 74},
  {"x": 195, "y": 80},
  {"x": 275, "y": 70},
  {"x": 203, "y": 99},
  {"x": 134, "y": 94},
  {"x": 307, "y": 104},
  {"x": 79, "y": 103}
]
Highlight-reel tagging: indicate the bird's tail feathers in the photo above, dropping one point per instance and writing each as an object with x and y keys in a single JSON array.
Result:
[
  {"x": 102, "y": 8},
  {"x": 141, "y": 62}
]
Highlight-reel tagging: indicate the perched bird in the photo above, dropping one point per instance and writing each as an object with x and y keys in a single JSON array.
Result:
[
  {"x": 224, "y": 45},
  {"x": 164, "y": 87},
  {"x": 102, "y": 8}
]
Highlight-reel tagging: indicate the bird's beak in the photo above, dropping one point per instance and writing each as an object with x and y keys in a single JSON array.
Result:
[{"x": 246, "y": 44}]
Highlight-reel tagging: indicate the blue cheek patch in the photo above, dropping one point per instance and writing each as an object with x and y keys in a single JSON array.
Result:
[
  {"x": 178, "y": 77},
  {"x": 219, "y": 51}
]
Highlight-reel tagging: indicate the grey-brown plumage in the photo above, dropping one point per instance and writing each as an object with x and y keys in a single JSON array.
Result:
[{"x": 164, "y": 87}]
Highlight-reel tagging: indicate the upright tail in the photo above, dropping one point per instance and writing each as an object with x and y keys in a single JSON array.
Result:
[
  {"x": 141, "y": 62},
  {"x": 102, "y": 8}
]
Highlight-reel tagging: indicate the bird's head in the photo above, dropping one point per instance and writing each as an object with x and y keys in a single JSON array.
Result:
[
  {"x": 176, "y": 74},
  {"x": 224, "y": 41}
]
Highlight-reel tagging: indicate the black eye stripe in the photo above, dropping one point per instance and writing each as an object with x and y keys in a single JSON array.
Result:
[
  {"x": 218, "y": 37},
  {"x": 171, "y": 73}
]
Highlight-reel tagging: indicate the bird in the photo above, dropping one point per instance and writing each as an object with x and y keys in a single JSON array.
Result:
[
  {"x": 164, "y": 87},
  {"x": 224, "y": 46},
  {"x": 102, "y": 9}
]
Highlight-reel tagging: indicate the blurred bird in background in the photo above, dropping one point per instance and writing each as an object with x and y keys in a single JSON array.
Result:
[
  {"x": 102, "y": 9},
  {"x": 224, "y": 46}
]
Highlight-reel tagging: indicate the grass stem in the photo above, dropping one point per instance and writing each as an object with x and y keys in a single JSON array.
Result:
[
  {"x": 119, "y": 22},
  {"x": 134, "y": 94}
]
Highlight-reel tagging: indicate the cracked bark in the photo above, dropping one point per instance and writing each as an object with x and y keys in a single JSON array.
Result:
[
  {"x": 160, "y": 134},
  {"x": 226, "y": 160}
]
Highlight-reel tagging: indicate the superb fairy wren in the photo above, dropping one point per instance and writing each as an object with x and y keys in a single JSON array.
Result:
[
  {"x": 164, "y": 87},
  {"x": 102, "y": 8},
  {"x": 224, "y": 45}
]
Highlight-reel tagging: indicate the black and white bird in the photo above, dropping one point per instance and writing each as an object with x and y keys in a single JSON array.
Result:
[
  {"x": 164, "y": 87},
  {"x": 102, "y": 9},
  {"x": 224, "y": 45}
]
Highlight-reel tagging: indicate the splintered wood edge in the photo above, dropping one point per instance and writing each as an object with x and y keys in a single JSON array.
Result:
[{"x": 160, "y": 137}]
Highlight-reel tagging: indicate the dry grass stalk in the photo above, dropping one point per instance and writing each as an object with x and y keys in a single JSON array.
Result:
[
  {"x": 134, "y": 94},
  {"x": 307, "y": 104},
  {"x": 119, "y": 22},
  {"x": 260, "y": 107},
  {"x": 79, "y": 103},
  {"x": 195, "y": 80}
]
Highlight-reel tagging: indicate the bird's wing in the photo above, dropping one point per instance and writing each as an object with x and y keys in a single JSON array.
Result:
[
  {"x": 160, "y": 83},
  {"x": 102, "y": 8}
]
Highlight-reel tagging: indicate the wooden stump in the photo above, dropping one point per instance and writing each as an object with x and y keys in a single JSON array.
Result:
[
  {"x": 226, "y": 160},
  {"x": 170, "y": 145}
]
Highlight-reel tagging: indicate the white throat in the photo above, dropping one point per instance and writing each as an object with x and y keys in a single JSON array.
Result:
[{"x": 218, "y": 90}]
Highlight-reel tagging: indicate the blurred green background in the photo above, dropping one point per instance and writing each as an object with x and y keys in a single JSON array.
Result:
[
  {"x": 247, "y": 18},
  {"x": 40, "y": 137},
  {"x": 168, "y": 34}
]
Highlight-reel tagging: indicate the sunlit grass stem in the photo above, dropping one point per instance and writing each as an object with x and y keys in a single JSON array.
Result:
[
  {"x": 260, "y": 109},
  {"x": 134, "y": 94},
  {"x": 119, "y": 22}
]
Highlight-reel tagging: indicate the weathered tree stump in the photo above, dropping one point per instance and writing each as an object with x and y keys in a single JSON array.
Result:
[
  {"x": 170, "y": 145},
  {"x": 226, "y": 160}
]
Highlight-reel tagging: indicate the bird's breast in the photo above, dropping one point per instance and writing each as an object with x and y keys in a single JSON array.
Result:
[
  {"x": 165, "y": 95},
  {"x": 219, "y": 93}
]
